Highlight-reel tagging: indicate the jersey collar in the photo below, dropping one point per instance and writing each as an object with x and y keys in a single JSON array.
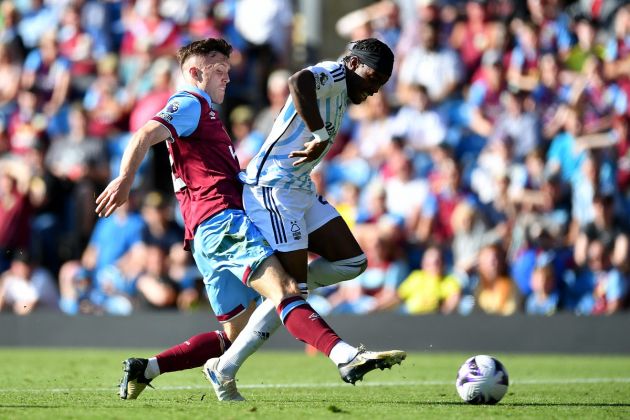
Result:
[{"x": 191, "y": 88}]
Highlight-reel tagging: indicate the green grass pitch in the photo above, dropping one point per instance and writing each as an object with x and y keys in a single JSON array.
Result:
[{"x": 82, "y": 383}]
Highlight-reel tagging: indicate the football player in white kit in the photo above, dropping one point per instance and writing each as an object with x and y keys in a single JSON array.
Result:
[{"x": 279, "y": 196}]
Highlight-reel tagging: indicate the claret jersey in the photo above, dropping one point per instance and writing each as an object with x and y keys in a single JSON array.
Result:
[{"x": 204, "y": 165}]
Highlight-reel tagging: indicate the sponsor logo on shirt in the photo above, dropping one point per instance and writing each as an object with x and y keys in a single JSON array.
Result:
[{"x": 165, "y": 116}]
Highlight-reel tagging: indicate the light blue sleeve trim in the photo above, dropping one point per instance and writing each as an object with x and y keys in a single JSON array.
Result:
[{"x": 182, "y": 111}]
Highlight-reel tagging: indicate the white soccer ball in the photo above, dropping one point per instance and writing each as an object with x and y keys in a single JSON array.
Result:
[{"x": 482, "y": 380}]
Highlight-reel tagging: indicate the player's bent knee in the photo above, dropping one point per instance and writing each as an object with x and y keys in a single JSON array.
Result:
[{"x": 272, "y": 281}]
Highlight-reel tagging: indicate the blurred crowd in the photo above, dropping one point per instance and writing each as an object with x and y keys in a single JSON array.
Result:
[{"x": 491, "y": 173}]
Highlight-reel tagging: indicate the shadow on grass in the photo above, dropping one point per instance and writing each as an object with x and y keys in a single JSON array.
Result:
[
  {"x": 455, "y": 403},
  {"x": 514, "y": 404}
]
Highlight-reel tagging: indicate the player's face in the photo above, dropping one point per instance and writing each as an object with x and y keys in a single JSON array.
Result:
[
  {"x": 215, "y": 72},
  {"x": 362, "y": 81}
]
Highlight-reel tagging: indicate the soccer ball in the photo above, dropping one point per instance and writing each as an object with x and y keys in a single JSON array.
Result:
[{"x": 482, "y": 380}]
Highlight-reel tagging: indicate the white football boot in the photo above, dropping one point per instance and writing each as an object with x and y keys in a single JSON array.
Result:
[
  {"x": 224, "y": 387},
  {"x": 366, "y": 361}
]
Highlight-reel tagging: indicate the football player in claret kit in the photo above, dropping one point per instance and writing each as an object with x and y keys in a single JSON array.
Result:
[
  {"x": 279, "y": 196},
  {"x": 205, "y": 169}
]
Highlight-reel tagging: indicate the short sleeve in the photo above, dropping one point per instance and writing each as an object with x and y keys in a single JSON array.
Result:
[
  {"x": 611, "y": 52},
  {"x": 181, "y": 114},
  {"x": 476, "y": 94},
  {"x": 326, "y": 75},
  {"x": 33, "y": 61},
  {"x": 405, "y": 290},
  {"x": 449, "y": 287},
  {"x": 617, "y": 286}
]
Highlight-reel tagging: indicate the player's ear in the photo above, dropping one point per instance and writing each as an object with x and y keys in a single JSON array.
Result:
[
  {"x": 195, "y": 73},
  {"x": 353, "y": 62}
]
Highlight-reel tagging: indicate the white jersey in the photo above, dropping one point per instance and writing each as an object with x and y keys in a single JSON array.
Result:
[{"x": 272, "y": 167}]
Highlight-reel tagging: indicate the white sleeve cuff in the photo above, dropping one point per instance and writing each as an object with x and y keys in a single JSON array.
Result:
[{"x": 321, "y": 134}]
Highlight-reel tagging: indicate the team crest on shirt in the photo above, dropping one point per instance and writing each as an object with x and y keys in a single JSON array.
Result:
[
  {"x": 213, "y": 115},
  {"x": 173, "y": 107},
  {"x": 320, "y": 80}
]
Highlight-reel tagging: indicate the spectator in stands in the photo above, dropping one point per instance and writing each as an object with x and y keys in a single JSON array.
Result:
[
  {"x": 375, "y": 208},
  {"x": 35, "y": 22},
  {"x": 600, "y": 100},
  {"x": 48, "y": 73},
  {"x": 80, "y": 162},
  {"x": 494, "y": 292},
  {"x": 446, "y": 192},
  {"x": 372, "y": 133},
  {"x": 617, "y": 51},
  {"x": 106, "y": 100},
  {"x": 545, "y": 297},
  {"x": 152, "y": 90},
  {"x": 277, "y": 94},
  {"x": 147, "y": 31},
  {"x": 591, "y": 179},
  {"x": 483, "y": 105},
  {"x": 406, "y": 192},
  {"x": 15, "y": 208},
  {"x": 77, "y": 46},
  {"x": 517, "y": 124},
  {"x": 431, "y": 65},
  {"x": 156, "y": 290},
  {"x": 247, "y": 142},
  {"x": 606, "y": 228},
  {"x": 522, "y": 69},
  {"x": 586, "y": 46},
  {"x": 372, "y": 291},
  {"x": 563, "y": 157},
  {"x": 553, "y": 26},
  {"x": 110, "y": 260},
  {"x": 25, "y": 287},
  {"x": 471, "y": 234},
  {"x": 266, "y": 27},
  {"x": 160, "y": 229},
  {"x": 429, "y": 289},
  {"x": 27, "y": 125},
  {"x": 347, "y": 203},
  {"x": 10, "y": 73},
  {"x": 598, "y": 287},
  {"x": 189, "y": 280},
  {"x": 9, "y": 33},
  {"x": 420, "y": 126},
  {"x": 549, "y": 93}
]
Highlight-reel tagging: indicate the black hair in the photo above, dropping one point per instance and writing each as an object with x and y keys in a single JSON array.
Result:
[
  {"x": 372, "y": 45},
  {"x": 373, "y": 53}
]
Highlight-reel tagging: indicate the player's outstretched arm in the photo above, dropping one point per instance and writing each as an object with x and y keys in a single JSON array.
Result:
[{"x": 117, "y": 192}]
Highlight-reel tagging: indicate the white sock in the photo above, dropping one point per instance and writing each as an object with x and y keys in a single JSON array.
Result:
[
  {"x": 261, "y": 325},
  {"x": 153, "y": 369},
  {"x": 342, "y": 353}
]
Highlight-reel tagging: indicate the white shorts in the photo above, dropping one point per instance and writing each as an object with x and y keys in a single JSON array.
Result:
[{"x": 286, "y": 217}]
